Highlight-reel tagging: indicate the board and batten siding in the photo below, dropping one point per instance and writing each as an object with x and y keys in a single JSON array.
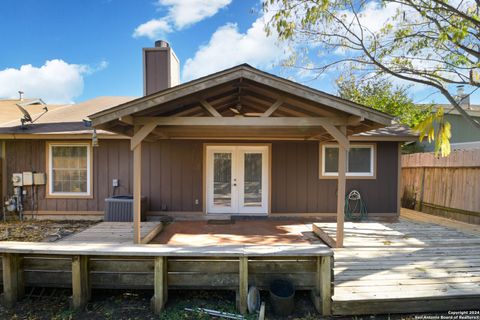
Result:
[
  {"x": 173, "y": 173},
  {"x": 112, "y": 160},
  {"x": 297, "y": 188}
]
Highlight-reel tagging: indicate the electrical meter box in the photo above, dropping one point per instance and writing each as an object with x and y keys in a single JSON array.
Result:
[
  {"x": 17, "y": 179},
  {"x": 39, "y": 178},
  {"x": 27, "y": 178}
]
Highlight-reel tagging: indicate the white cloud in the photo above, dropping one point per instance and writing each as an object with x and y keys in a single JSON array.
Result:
[
  {"x": 55, "y": 82},
  {"x": 229, "y": 47},
  {"x": 187, "y": 12},
  {"x": 181, "y": 14},
  {"x": 374, "y": 16},
  {"x": 153, "y": 29}
]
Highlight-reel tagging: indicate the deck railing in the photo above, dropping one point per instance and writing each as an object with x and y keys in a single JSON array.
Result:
[{"x": 86, "y": 266}]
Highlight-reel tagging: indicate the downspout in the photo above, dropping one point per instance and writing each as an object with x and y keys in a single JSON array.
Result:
[{"x": 4, "y": 170}]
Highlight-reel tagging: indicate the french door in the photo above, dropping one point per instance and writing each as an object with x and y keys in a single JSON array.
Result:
[{"x": 237, "y": 179}]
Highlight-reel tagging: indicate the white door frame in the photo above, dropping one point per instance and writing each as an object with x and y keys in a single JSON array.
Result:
[
  {"x": 210, "y": 150},
  {"x": 237, "y": 195}
]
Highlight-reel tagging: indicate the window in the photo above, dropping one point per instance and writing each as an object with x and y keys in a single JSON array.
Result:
[
  {"x": 360, "y": 160},
  {"x": 69, "y": 169}
]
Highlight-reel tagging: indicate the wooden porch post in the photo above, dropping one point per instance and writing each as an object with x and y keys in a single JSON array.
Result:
[
  {"x": 322, "y": 294},
  {"x": 141, "y": 132},
  {"x": 342, "y": 162},
  {"x": 137, "y": 192},
  {"x": 243, "y": 285},
  {"x": 160, "y": 285},
  {"x": 80, "y": 282},
  {"x": 324, "y": 273}
]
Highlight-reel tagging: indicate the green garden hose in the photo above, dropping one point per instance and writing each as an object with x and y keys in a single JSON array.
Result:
[{"x": 355, "y": 208}]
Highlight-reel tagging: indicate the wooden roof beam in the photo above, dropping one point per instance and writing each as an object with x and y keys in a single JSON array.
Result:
[
  {"x": 210, "y": 109},
  {"x": 142, "y": 133},
  {"x": 328, "y": 123},
  {"x": 338, "y": 134},
  {"x": 273, "y": 108},
  {"x": 127, "y": 120},
  {"x": 355, "y": 120}
]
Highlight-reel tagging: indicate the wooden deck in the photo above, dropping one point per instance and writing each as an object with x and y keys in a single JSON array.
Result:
[
  {"x": 114, "y": 232},
  {"x": 104, "y": 257},
  {"x": 405, "y": 267}
]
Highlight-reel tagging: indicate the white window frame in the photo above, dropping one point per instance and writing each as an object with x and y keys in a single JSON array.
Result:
[
  {"x": 371, "y": 174},
  {"x": 51, "y": 193}
]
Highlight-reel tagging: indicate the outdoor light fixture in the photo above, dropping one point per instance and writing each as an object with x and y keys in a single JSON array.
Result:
[{"x": 94, "y": 138}]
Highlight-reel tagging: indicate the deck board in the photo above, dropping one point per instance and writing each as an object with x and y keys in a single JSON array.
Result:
[
  {"x": 111, "y": 232},
  {"x": 413, "y": 266}
]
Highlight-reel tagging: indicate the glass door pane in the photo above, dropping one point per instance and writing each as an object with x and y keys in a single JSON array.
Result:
[
  {"x": 222, "y": 179},
  {"x": 252, "y": 188}
]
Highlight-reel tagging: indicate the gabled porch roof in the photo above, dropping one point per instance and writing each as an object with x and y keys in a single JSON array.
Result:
[
  {"x": 251, "y": 103},
  {"x": 240, "y": 103}
]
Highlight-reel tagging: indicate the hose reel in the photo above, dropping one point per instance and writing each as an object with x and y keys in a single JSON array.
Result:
[{"x": 355, "y": 208}]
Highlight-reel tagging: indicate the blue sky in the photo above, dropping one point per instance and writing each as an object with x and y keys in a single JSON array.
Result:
[{"x": 66, "y": 51}]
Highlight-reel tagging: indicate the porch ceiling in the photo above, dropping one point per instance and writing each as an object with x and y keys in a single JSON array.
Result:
[{"x": 244, "y": 94}]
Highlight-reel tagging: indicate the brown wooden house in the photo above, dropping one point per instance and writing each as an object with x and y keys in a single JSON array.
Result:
[{"x": 236, "y": 142}]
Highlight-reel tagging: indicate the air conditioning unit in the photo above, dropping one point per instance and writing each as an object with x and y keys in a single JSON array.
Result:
[{"x": 120, "y": 209}]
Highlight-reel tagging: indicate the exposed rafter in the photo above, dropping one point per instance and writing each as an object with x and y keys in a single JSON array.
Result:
[
  {"x": 273, "y": 108},
  {"x": 127, "y": 120},
  {"x": 210, "y": 109}
]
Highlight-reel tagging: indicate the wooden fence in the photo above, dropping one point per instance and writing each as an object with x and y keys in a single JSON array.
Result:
[{"x": 449, "y": 187}]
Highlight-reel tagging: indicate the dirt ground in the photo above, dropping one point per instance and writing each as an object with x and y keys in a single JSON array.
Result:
[
  {"x": 135, "y": 305},
  {"x": 40, "y": 230},
  {"x": 110, "y": 304}
]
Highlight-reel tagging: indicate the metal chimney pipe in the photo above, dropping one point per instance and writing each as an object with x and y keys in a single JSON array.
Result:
[
  {"x": 161, "y": 44},
  {"x": 462, "y": 98}
]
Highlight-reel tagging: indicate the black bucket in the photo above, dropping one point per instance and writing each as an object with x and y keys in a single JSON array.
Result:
[{"x": 282, "y": 295}]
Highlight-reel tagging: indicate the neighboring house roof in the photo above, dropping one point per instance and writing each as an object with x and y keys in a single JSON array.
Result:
[
  {"x": 463, "y": 133},
  {"x": 67, "y": 119},
  {"x": 9, "y": 110},
  {"x": 465, "y": 145},
  {"x": 473, "y": 109}
]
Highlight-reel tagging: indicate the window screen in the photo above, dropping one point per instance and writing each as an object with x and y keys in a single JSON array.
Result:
[
  {"x": 69, "y": 169},
  {"x": 331, "y": 159},
  {"x": 359, "y": 160}
]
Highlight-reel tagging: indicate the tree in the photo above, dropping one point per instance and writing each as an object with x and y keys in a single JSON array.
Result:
[
  {"x": 435, "y": 43},
  {"x": 382, "y": 95}
]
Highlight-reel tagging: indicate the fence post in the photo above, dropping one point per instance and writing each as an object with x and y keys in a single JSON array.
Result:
[{"x": 419, "y": 203}]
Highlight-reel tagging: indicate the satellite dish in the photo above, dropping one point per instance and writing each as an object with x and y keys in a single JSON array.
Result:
[{"x": 26, "y": 115}]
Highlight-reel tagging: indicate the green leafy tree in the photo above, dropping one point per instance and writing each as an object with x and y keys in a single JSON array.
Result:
[
  {"x": 382, "y": 95},
  {"x": 435, "y": 43}
]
